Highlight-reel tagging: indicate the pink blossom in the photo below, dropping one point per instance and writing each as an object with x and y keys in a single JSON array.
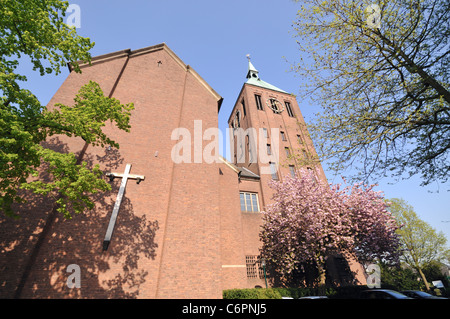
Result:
[{"x": 309, "y": 220}]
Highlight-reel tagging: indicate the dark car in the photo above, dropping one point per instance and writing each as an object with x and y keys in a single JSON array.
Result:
[
  {"x": 382, "y": 294},
  {"x": 417, "y": 294}
]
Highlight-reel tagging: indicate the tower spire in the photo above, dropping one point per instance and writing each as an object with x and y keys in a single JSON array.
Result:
[
  {"x": 252, "y": 72},
  {"x": 253, "y": 77}
]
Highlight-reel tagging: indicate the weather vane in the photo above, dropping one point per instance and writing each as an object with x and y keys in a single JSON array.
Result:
[{"x": 248, "y": 56}]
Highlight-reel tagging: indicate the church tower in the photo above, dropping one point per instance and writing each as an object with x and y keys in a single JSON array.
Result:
[
  {"x": 270, "y": 138},
  {"x": 270, "y": 141}
]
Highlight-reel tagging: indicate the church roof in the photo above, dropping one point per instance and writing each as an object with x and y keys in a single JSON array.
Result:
[
  {"x": 147, "y": 50},
  {"x": 253, "y": 78},
  {"x": 247, "y": 173},
  {"x": 242, "y": 172}
]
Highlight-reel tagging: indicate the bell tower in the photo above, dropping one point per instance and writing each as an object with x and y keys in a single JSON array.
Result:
[
  {"x": 270, "y": 141},
  {"x": 270, "y": 137}
]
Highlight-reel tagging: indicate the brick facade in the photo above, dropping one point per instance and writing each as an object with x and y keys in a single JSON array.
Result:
[
  {"x": 180, "y": 233},
  {"x": 292, "y": 149}
]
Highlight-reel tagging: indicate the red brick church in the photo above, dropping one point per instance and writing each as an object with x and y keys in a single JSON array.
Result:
[{"x": 187, "y": 226}]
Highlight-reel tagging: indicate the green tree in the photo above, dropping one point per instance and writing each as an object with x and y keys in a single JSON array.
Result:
[
  {"x": 399, "y": 278},
  {"x": 421, "y": 243},
  {"x": 379, "y": 70},
  {"x": 35, "y": 29},
  {"x": 433, "y": 271}
]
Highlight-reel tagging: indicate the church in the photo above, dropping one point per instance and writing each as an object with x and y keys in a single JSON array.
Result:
[{"x": 172, "y": 226}]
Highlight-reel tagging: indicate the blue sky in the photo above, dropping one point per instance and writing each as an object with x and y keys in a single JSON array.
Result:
[{"x": 214, "y": 38}]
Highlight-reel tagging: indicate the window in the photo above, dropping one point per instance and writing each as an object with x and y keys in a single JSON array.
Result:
[
  {"x": 250, "y": 147},
  {"x": 250, "y": 262},
  {"x": 288, "y": 152},
  {"x": 289, "y": 109},
  {"x": 250, "y": 156},
  {"x": 237, "y": 120},
  {"x": 249, "y": 202},
  {"x": 292, "y": 170},
  {"x": 312, "y": 174},
  {"x": 283, "y": 136},
  {"x": 243, "y": 107},
  {"x": 299, "y": 139},
  {"x": 305, "y": 155},
  {"x": 254, "y": 268},
  {"x": 258, "y": 102},
  {"x": 273, "y": 170},
  {"x": 266, "y": 134},
  {"x": 269, "y": 150}
]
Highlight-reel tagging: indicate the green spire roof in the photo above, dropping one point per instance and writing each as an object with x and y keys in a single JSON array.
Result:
[{"x": 253, "y": 78}]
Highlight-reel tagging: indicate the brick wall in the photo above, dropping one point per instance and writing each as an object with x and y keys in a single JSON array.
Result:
[{"x": 166, "y": 241}]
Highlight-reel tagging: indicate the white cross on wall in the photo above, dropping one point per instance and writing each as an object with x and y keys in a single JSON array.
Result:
[{"x": 125, "y": 176}]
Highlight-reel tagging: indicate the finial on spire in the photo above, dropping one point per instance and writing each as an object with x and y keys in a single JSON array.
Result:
[{"x": 248, "y": 57}]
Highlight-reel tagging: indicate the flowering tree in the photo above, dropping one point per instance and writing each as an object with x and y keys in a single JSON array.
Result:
[{"x": 310, "y": 220}]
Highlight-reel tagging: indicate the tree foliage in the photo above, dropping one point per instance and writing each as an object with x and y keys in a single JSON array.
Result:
[
  {"x": 421, "y": 243},
  {"x": 399, "y": 278},
  {"x": 310, "y": 220},
  {"x": 35, "y": 29},
  {"x": 379, "y": 70}
]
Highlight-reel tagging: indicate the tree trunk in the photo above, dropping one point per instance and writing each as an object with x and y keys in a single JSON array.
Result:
[
  {"x": 419, "y": 269},
  {"x": 423, "y": 278},
  {"x": 322, "y": 277}
]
